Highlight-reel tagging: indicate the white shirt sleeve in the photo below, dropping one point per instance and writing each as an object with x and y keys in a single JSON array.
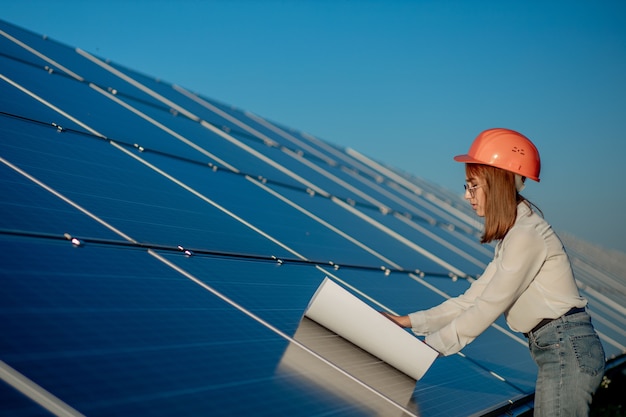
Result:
[
  {"x": 429, "y": 321},
  {"x": 458, "y": 321}
]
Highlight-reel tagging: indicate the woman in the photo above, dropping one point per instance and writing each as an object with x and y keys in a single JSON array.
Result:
[{"x": 530, "y": 281}]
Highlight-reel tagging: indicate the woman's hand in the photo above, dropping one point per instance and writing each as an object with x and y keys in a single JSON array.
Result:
[{"x": 402, "y": 321}]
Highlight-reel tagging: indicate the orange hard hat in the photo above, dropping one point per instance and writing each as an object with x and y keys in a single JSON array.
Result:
[{"x": 505, "y": 149}]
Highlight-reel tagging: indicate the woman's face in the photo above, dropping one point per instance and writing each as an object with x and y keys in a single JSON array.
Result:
[{"x": 475, "y": 194}]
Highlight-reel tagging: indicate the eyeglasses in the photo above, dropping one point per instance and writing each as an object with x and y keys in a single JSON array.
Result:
[{"x": 471, "y": 189}]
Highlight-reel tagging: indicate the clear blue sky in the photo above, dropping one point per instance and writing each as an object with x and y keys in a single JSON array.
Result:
[{"x": 409, "y": 83}]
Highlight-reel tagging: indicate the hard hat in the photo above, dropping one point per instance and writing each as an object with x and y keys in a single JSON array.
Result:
[{"x": 505, "y": 149}]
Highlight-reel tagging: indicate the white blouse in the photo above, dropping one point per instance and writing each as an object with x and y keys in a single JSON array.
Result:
[{"x": 529, "y": 279}]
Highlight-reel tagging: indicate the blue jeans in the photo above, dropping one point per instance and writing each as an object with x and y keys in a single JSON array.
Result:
[{"x": 571, "y": 362}]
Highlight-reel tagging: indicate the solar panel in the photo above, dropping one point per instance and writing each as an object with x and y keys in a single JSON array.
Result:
[{"x": 159, "y": 249}]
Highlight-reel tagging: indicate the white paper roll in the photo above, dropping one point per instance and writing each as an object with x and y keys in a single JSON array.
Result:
[{"x": 341, "y": 312}]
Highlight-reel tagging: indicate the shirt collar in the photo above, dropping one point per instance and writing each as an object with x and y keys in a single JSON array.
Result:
[{"x": 523, "y": 209}]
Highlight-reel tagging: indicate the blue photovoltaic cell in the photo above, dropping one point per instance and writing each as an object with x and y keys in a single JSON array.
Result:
[{"x": 203, "y": 232}]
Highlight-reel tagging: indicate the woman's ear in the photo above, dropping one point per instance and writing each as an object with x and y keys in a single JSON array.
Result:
[{"x": 519, "y": 182}]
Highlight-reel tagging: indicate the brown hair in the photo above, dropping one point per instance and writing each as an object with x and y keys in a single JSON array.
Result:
[{"x": 501, "y": 199}]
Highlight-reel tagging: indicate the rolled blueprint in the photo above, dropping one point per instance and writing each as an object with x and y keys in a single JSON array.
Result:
[{"x": 344, "y": 314}]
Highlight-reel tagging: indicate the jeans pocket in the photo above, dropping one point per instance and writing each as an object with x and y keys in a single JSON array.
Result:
[
  {"x": 546, "y": 339},
  {"x": 589, "y": 353}
]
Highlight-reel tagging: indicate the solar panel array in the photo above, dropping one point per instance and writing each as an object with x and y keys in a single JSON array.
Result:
[{"x": 159, "y": 248}]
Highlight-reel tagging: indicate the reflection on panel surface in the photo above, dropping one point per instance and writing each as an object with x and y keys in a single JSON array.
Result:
[{"x": 373, "y": 376}]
